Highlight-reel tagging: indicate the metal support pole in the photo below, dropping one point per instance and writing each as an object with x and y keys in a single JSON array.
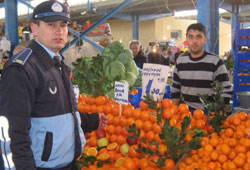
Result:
[
  {"x": 113, "y": 12},
  {"x": 89, "y": 6},
  {"x": 11, "y": 22},
  {"x": 99, "y": 47},
  {"x": 235, "y": 11},
  {"x": 208, "y": 15},
  {"x": 135, "y": 27}
]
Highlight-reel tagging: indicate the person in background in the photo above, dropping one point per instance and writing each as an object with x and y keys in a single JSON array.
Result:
[
  {"x": 18, "y": 49},
  {"x": 139, "y": 56},
  {"x": 41, "y": 128},
  {"x": 155, "y": 57},
  {"x": 5, "y": 59},
  {"x": 195, "y": 72},
  {"x": 165, "y": 54},
  {"x": 177, "y": 54}
]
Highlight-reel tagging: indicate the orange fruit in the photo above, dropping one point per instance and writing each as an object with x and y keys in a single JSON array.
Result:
[
  {"x": 214, "y": 155},
  {"x": 129, "y": 163},
  {"x": 166, "y": 103},
  {"x": 128, "y": 112},
  {"x": 162, "y": 149},
  {"x": 138, "y": 123},
  {"x": 225, "y": 149},
  {"x": 111, "y": 129},
  {"x": 120, "y": 139},
  {"x": 92, "y": 151},
  {"x": 156, "y": 128},
  {"x": 133, "y": 92},
  {"x": 93, "y": 141},
  {"x": 147, "y": 125},
  {"x": 183, "y": 108},
  {"x": 113, "y": 138},
  {"x": 108, "y": 108},
  {"x": 116, "y": 120},
  {"x": 229, "y": 132},
  {"x": 198, "y": 114},
  {"x": 168, "y": 113},
  {"x": 153, "y": 118},
  {"x": 81, "y": 98},
  {"x": 93, "y": 108},
  {"x": 112, "y": 146},
  {"x": 200, "y": 124},
  {"x": 214, "y": 141},
  {"x": 103, "y": 157},
  {"x": 236, "y": 121},
  {"x": 110, "y": 118},
  {"x": 130, "y": 121},
  {"x": 132, "y": 151},
  {"x": 143, "y": 163},
  {"x": 123, "y": 121},
  {"x": 150, "y": 135},
  {"x": 118, "y": 130},
  {"x": 119, "y": 162},
  {"x": 240, "y": 149},
  {"x": 232, "y": 142},
  {"x": 144, "y": 115},
  {"x": 208, "y": 148},
  {"x": 143, "y": 105},
  {"x": 137, "y": 113},
  {"x": 211, "y": 165},
  {"x": 232, "y": 155},
  {"x": 222, "y": 158},
  {"x": 100, "y": 100},
  {"x": 242, "y": 115},
  {"x": 112, "y": 154}
]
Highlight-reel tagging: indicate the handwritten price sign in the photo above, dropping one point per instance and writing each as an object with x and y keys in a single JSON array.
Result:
[{"x": 154, "y": 80}]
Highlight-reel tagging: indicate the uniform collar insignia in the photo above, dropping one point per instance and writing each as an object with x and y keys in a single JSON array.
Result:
[{"x": 56, "y": 7}]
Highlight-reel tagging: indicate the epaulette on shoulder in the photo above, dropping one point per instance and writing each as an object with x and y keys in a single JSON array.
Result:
[{"x": 22, "y": 57}]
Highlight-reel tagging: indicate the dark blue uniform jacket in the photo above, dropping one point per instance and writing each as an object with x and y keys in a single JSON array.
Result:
[{"x": 41, "y": 125}]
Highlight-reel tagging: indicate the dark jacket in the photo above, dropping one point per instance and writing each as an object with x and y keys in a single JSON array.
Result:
[
  {"x": 140, "y": 59},
  {"x": 157, "y": 58},
  {"x": 39, "y": 103}
]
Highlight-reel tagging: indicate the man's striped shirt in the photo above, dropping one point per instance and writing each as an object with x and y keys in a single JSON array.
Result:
[{"x": 193, "y": 77}]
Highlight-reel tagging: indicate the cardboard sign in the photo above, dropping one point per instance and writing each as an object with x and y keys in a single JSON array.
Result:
[
  {"x": 121, "y": 92},
  {"x": 154, "y": 80}
]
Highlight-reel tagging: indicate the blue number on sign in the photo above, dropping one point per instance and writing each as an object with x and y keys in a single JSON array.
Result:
[
  {"x": 155, "y": 91},
  {"x": 148, "y": 87}
]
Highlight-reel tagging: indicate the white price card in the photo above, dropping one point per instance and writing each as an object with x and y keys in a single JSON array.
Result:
[
  {"x": 154, "y": 80},
  {"x": 121, "y": 92}
]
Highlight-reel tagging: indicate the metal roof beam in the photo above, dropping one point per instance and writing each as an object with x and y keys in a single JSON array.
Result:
[
  {"x": 26, "y": 3},
  {"x": 109, "y": 15},
  {"x": 154, "y": 16},
  {"x": 99, "y": 47},
  {"x": 125, "y": 17}
]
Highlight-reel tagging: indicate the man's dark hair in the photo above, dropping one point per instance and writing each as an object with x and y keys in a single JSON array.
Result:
[
  {"x": 197, "y": 26},
  {"x": 164, "y": 48},
  {"x": 36, "y": 21}
]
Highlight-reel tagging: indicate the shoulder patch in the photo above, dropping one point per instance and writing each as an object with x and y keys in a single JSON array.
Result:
[{"x": 22, "y": 57}]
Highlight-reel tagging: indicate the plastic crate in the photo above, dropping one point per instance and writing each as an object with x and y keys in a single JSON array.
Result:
[
  {"x": 244, "y": 37},
  {"x": 135, "y": 99}
]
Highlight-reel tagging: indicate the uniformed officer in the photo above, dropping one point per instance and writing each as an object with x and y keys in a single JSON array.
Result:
[{"x": 40, "y": 125}]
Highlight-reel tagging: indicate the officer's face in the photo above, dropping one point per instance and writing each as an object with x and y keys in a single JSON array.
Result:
[{"x": 51, "y": 34}]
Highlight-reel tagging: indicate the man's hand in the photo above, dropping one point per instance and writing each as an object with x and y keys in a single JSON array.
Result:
[{"x": 103, "y": 120}]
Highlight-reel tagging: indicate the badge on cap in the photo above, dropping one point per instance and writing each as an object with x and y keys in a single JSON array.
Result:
[{"x": 56, "y": 7}]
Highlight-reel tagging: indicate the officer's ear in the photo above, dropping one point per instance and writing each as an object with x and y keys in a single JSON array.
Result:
[{"x": 34, "y": 28}]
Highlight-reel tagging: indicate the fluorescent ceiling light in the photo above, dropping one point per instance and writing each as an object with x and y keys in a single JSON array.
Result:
[{"x": 192, "y": 13}]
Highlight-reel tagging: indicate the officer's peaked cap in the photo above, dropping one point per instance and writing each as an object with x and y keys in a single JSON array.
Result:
[{"x": 50, "y": 11}]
